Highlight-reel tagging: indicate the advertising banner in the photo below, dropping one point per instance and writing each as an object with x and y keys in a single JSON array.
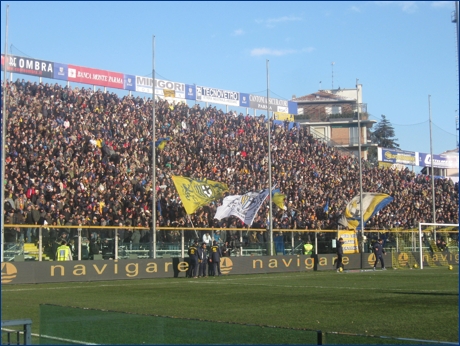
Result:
[
  {"x": 394, "y": 156},
  {"x": 190, "y": 92},
  {"x": 144, "y": 85},
  {"x": 350, "y": 241},
  {"x": 397, "y": 156},
  {"x": 28, "y": 272},
  {"x": 129, "y": 82},
  {"x": 214, "y": 95},
  {"x": 284, "y": 116},
  {"x": 60, "y": 71},
  {"x": 93, "y": 76},
  {"x": 275, "y": 105},
  {"x": 29, "y": 66},
  {"x": 244, "y": 100},
  {"x": 292, "y": 108},
  {"x": 439, "y": 161}
]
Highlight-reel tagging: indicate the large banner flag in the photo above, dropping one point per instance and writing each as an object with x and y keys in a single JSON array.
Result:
[
  {"x": 372, "y": 204},
  {"x": 245, "y": 207},
  {"x": 196, "y": 193}
]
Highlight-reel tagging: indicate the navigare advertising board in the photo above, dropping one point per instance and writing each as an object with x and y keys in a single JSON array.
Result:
[
  {"x": 214, "y": 95},
  {"x": 93, "y": 76},
  {"x": 30, "y": 66},
  {"x": 162, "y": 87},
  {"x": 397, "y": 156}
]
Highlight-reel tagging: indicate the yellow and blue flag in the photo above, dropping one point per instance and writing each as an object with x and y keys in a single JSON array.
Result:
[
  {"x": 278, "y": 198},
  {"x": 196, "y": 193},
  {"x": 372, "y": 204},
  {"x": 160, "y": 144}
]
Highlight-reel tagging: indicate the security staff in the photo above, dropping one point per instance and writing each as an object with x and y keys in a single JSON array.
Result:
[
  {"x": 308, "y": 248},
  {"x": 202, "y": 260},
  {"x": 193, "y": 255},
  {"x": 63, "y": 252},
  {"x": 214, "y": 259}
]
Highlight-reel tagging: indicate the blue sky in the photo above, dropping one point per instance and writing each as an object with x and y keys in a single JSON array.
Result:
[{"x": 400, "y": 51}]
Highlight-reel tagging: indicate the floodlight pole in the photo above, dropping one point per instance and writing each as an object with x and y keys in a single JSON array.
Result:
[
  {"x": 153, "y": 245},
  {"x": 360, "y": 169},
  {"x": 432, "y": 171},
  {"x": 4, "y": 129},
  {"x": 270, "y": 223}
]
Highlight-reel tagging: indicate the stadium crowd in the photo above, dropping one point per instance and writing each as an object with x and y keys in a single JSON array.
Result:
[{"x": 84, "y": 157}]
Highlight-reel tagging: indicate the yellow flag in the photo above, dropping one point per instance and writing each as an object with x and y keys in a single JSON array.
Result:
[
  {"x": 284, "y": 116},
  {"x": 196, "y": 193},
  {"x": 169, "y": 93},
  {"x": 278, "y": 199}
]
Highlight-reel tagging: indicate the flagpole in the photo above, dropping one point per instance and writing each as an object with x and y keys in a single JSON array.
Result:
[
  {"x": 196, "y": 233},
  {"x": 4, "y": 129},
  {"x": 270, "y": 223},
  {"x": 153, "y": 247}
]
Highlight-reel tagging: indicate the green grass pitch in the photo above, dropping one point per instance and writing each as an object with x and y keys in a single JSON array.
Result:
[{"x": 417, "y": 304}]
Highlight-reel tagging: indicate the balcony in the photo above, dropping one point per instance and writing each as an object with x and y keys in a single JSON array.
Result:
[{"x": 330, "y": 117}]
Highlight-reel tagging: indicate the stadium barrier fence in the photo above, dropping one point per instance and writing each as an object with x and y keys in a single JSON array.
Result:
[
  {"x": 20, "y": 328},
  {"x": 285, "y": 241}
]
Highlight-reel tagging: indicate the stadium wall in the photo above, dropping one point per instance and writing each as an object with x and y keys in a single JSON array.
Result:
[{"x": 128, "y": 269}]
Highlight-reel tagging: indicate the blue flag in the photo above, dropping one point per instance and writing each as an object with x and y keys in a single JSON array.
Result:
[{"x": 326, "y": 207}]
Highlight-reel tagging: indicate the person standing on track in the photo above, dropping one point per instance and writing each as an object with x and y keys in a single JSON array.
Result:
[
  {"x": 339, "y": 263},
  {"x": 193, "y": 255},
  {"x": 202, "y": 260},
  {"x": 378, "y": 250},
  {"x": 215, "y": 256}
]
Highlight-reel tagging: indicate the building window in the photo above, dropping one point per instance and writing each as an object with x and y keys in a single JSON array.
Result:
[
  {"x": 318, "y": 132},
  {"x": 354, "y": 136},
  {"x": 333, "y": 110}
]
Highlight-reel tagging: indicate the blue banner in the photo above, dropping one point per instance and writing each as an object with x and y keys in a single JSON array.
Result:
[
  {"x": 129, "y": 82},
  {"x": 190, "y": 92},
  {"x": 60, "y": 71},
  {"x": 292, "y": 107},
  {"x": 244, "y": 100}
]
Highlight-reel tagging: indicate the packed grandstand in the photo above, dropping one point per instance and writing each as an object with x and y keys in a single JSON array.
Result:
[{"x": 75, "y": 156}]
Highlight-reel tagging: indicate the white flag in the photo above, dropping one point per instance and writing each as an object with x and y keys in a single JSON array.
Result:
[{"x": 245, "y": 207}]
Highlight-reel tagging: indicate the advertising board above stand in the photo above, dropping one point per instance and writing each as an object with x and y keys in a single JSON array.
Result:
[{"x": 142, "y": 84}]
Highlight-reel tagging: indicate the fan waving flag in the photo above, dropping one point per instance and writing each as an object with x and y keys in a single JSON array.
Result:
[
  {"x": 245, "y": 207},
  {"x": 372, "y": 204},
  {"x": 196, "y": 193},
  {"x": 160, "y": 144}
]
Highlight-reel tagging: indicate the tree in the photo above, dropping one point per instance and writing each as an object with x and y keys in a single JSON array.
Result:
[{"x": 383, "y": 136}]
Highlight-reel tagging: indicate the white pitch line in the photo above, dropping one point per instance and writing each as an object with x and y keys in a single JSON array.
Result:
[
  {"x": 52, "y": 337},
  {"x": 319, "y": 287}
]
